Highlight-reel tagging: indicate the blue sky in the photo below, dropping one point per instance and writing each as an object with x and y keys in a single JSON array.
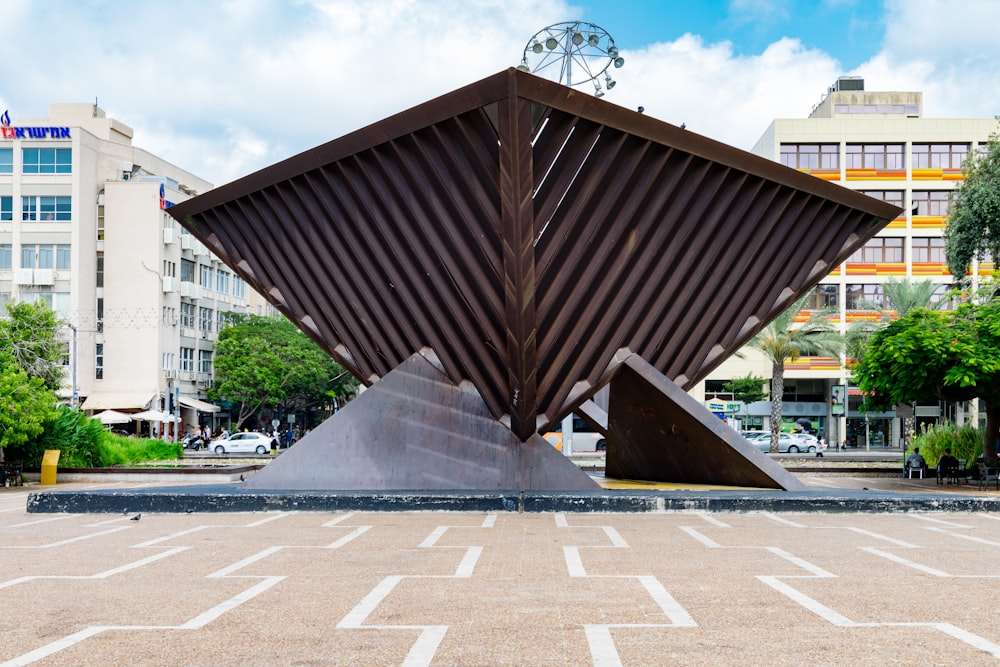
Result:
[
  {"x": 850, "y": 31},
  {"x": 225, "y": 88}
]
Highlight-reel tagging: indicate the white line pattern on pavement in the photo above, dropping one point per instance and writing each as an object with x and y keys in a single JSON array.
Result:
[
  {"x": 199, "y": 621},
  {"x": 425, "y": 648}
]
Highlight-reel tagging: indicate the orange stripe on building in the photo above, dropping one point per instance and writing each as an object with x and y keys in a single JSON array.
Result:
[
  {"x": 929, "y": 269},
  {"x": 876, "y": 268},
  {"x": 929, "y": 221}
]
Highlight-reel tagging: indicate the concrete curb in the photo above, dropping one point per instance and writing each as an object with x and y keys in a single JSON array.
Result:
[{"x": 231, "y": 498}]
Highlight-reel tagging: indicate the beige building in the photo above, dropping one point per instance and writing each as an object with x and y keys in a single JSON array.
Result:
[
  {"x": 83, "y": 227},
  {"x": 878, "y": 143}
]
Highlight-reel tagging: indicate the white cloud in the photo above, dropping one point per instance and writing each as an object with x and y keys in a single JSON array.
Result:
[{"x": 222, "y": 89}]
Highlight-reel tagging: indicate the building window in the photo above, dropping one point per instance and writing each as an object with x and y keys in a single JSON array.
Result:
[
  {"x": 222, "y": 281},
  {"x": 38, "y": 256},
  {"x": 205, "y": 320},
  {"x": 47, "y": 209},
  {"x": 888, "y": 196},
  {"x": 100, "y": 222},
  {"x": 874, "y": 156},
  {"x": 187, "y": 359},
  {"x": 908, "y": 109},
  {"x": 187, "y": 315},
  {"x": 99, "y": 361},
  {"x": 943, "y": 294},
  {"x": 811, "y": 156},
  {"x": 169, "y": 268},
  {"x": 6, "y": 160},
  {"x": 100, "y": 270},
  {"x": 865, "y": 297},
  {"x": 187, "y": 271},
  {"x": 6, "y": 257},
  {"x": 823, "y": 296},
  {"x": 6, "y": 209},
  {"x": 204, "y": 361},
  {"x": 239, "y": 287},
  {"x": 63, "y": 256},
  {"x": 879, "y": 250},
  {"x": 928, "y": 250},
  {"x": 206, "y": 277},
  {"x": 932, "y": 202},
  {"x": 220, "y": 320},
  {"x": 939, "y": 156},
  {"x": 47, "y": 160}
]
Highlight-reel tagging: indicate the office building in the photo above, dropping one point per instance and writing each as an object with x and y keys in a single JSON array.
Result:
[
  {"x": 881, "y": 144},
  {"x": 83, "y": 228}
]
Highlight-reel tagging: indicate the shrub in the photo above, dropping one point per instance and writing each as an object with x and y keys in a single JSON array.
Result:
[
  {"x": 965, "y": 442},
  {"x": 118, "y": 450},
  {"x": 83, "y": 442}
]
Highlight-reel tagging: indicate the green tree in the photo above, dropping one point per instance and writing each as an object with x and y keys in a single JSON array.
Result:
[
  {"x": 973, "y": 229},
  {"x": 782, "y": 341},
  {"x": 26, "y": 404},
  {"x": 901, "y": 296},
  {"x": 749, "y": 389},
  {"x": 30, "y": 334},
  {"x": 953, "y": 355},
  {"x": 262, "y": 362}
]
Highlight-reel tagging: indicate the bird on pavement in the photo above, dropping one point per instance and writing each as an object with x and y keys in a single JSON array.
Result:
[{"x": 136, "y": 517}]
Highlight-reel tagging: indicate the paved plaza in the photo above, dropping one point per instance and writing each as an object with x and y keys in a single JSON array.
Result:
[{"x": 503, "y": 588}]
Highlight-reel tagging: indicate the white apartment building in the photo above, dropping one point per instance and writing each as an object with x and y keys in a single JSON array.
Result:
[
  {"x": 83, "y": 227},
  {"x": 878, "y": 143}
]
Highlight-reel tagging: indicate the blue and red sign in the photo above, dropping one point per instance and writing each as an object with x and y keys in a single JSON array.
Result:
[{"x": 8, "y": 131}]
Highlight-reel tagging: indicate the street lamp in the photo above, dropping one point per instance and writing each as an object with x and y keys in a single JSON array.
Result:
[
  {"x": 572, "y": 53},
  {"x": 75, "y": 397}
]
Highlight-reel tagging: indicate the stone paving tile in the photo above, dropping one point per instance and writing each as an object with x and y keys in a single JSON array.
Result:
[{"x": 437, "y": 588}]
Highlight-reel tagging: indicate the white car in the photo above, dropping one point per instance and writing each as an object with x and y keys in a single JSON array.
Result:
[
  {"x": 246, "y": 442},
  {"x": 787, "y": 442}
]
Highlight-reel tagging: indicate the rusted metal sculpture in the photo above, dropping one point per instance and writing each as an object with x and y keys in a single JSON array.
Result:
[{"x": 529, "y": 239}]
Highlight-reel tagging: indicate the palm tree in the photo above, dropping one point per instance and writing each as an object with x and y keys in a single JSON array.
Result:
[
  {"x": 901, "y": 296},
  {"x": 781, "y": 341}
]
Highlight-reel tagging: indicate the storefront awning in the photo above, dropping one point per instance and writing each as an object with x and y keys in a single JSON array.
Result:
[
  {"x": 199, "y": 405},
  {"x": 119, "y": 400}
]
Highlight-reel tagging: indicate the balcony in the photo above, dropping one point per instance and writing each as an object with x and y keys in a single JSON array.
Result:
[{"x": 169, "y": 284}]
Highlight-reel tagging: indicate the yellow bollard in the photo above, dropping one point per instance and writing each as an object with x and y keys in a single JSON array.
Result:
[{"x": 49, "y": 460}]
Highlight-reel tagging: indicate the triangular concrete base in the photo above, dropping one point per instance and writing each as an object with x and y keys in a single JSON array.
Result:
[
  {"x": 659, "y": 432},
  {"x": 416, "y": 430}
]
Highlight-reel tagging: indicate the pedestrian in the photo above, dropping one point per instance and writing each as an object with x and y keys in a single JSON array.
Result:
[{"x": 820, "y": 447}]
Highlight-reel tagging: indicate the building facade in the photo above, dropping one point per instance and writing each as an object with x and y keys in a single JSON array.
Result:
[
  {"x": 83, "y": 228},
  {"x": 878, "y": 143}
]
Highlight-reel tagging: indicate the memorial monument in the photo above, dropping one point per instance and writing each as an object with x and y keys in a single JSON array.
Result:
[{"x": 487, "y": 261}]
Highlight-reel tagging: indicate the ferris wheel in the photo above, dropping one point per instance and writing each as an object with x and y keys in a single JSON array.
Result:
[{"x": 573, "y": 53}]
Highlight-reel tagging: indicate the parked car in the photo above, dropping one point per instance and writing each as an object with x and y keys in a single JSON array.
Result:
[
  {"x": 786, "y": 443},
  {"x": 248, "y": 441},
  {"x": 585, "y": 438},
  {"x": 809, "y": 442}
]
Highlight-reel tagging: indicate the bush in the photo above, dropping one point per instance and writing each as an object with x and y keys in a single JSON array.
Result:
[
  {"x": 965, "y": 442},
  {"x": 83, "y": 442},
  {"x": 118, "y": 450}
]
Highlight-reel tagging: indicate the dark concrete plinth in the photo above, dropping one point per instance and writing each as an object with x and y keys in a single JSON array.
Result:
[{"x": 231, "y": 498}]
